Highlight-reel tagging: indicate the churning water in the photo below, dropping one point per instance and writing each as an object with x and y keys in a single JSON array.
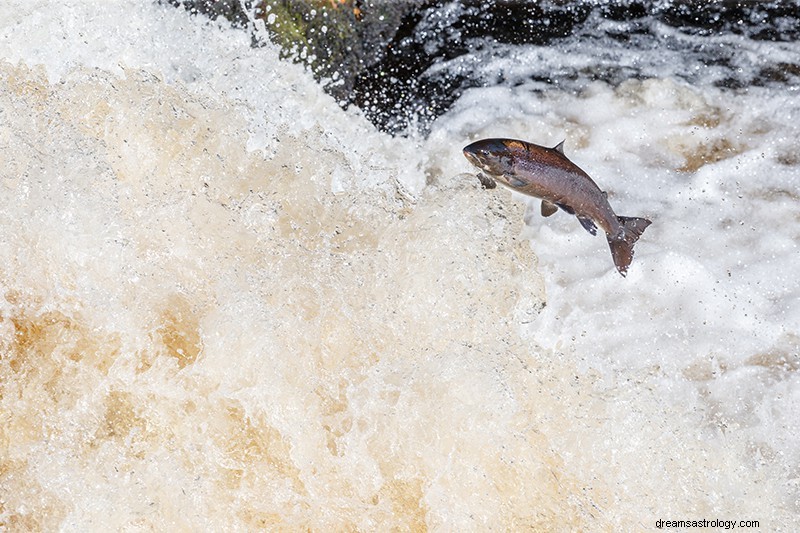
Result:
[{"x": 227, "y": 304}]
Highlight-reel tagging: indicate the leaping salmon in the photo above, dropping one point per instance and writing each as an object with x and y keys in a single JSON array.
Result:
[{"x": 546, "y": 173}]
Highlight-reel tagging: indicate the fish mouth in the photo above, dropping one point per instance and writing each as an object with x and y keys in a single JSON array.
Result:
[{"x": 472, "y": 157}]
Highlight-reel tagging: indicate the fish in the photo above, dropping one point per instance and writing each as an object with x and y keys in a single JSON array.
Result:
[{"x": 547, "y": 174}]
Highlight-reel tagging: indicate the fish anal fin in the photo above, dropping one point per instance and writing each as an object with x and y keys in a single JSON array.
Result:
[
  {"x": 566, "y": 208},
  {"x": 548, "y": 208},
  {"x": 588, "y": 225}
]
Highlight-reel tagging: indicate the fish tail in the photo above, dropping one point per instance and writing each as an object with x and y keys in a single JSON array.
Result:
[{"x": 622, "y": 244}]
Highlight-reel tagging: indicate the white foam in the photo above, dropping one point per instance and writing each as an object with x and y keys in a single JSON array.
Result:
[
  {"x": 220, "y": 286},
  {"x": 709, "y": 287}
]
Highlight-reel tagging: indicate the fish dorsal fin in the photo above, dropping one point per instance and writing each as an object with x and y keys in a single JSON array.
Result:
[
  {"x": 560, "y": 148},
  {"x": 548, "y": 208}
]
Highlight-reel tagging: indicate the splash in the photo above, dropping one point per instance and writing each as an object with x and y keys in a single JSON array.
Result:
[
  {"x": 184, "y": 319},
  {"x": 228, "y": 304}
]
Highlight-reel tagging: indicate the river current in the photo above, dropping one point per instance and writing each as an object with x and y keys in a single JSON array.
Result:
[{"x": 228, "y": 304}]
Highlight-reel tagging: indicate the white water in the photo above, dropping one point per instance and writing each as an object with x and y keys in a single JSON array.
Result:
[{"x": 229, "y": 305}]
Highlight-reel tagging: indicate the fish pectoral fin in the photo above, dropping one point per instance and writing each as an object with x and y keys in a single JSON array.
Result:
[
  {"x": 548, "y": 208},
  {"x": 486, "y": 181},
  {"x": 588, "y": 225}
]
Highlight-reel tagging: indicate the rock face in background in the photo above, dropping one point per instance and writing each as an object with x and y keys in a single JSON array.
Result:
[
  {"x": 405, "y": 62},
  {"x": 339, "y": 40}
]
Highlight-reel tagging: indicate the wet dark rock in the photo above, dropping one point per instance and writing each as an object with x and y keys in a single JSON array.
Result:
[
  {"x": 404, "y": 63},
  {"x": 228, "y": 9},
  {"x": 338, "y": 40},
  {"x": 440, "y": 31}
]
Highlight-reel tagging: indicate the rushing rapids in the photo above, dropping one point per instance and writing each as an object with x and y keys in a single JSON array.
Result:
[{"x": 226, "y": 303}]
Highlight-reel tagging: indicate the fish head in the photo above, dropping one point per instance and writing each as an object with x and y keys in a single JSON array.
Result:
[{"x": 491, "y": 156}]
